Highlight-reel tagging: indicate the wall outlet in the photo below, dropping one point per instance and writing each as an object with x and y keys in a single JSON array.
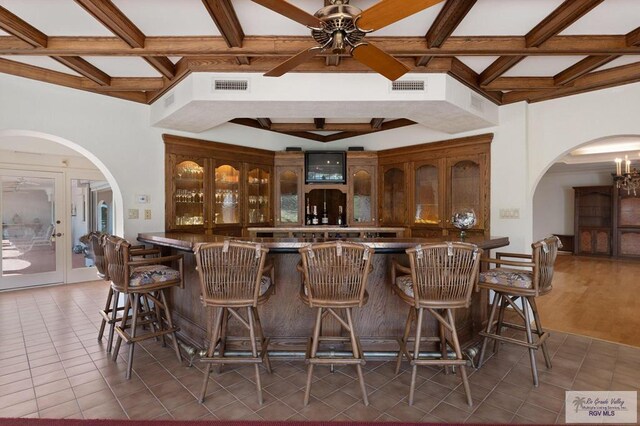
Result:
[
  {"x": 147, "y": 214},
  {"x": 509, "y": 213},
  {"x": 134, "y": 213}
]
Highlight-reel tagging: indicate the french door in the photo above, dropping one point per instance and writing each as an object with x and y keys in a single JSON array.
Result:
[{"x": 33, "y": 228}]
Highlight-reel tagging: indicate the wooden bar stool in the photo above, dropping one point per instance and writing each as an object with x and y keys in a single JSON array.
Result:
[
  {"x": 532, "y": 277},
  {"x": 334, "y": 278},
  {"x": 233, "y": 277},
  {"x": 144, "y": 284},
  {"x": 441, "y": 279}
]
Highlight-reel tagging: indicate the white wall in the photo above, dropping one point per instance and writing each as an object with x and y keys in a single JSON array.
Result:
[{"x": 553, "y": 201}]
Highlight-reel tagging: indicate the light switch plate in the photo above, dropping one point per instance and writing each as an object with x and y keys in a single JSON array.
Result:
[{"x": 134, "y": 213}]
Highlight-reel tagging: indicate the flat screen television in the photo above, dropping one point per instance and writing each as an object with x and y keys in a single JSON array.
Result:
[{"x": 325, "y": 167}]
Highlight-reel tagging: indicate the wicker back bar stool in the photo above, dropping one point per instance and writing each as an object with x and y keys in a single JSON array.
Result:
[
  {"x": 441, "y": 278},
  {"x": 334, "y": 277},
  {"x": 234, "y": 276},
  {"x": 531, "y": 276},
  {"x": 144, "y": 284}
]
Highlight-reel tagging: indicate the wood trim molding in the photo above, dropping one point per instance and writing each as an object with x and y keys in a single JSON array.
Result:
[
  {"x": 175, "y": 144},
  {"x": 117, "y": 22},
  {"x": 581, "y": 68},
  {"x": 225, "y": 18},
  {"x": 389, "y": 156},
  {"x": 498, "y": 67},
  {"x": 450, "y": 16},
  {"x": 84, "y": 68},
  {"x": 566, "y": 14},
  {"x": 15, "y": 25}
]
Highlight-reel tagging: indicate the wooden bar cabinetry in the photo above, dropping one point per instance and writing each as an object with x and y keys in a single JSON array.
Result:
[
  {"x": 626, "y": 224},
  {"x": 208, "y": 190},
  {"x": 593, "y": 214}
]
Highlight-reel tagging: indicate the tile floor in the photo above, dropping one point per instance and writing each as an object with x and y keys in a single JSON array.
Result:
[{"x": 52, "y": 366}]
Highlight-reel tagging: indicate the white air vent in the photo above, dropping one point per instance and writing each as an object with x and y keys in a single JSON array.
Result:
[
  {"x": 169, "y": 100},
  {"x": 408, "y": 86},
  {"x": 231, "y": 85},
  {"x": 477, "y": 103}
]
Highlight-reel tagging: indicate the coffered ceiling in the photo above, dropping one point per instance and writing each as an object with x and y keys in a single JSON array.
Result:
[{"x": 505, "y": 50}]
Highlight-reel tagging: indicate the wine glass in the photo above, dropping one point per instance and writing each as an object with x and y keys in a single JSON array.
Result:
[{"x": 463, "y": 219}]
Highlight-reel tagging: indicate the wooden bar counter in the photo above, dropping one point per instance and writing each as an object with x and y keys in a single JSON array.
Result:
[{"x": 289, "y": 322}]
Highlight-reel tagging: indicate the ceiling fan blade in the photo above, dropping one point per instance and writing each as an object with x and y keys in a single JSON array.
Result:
[
  {"x": 379, "y": 61},
  {"x": 293, "y": 62},
  {"x": 386, "y": 12},
  {"x": 291, "y": 12}
]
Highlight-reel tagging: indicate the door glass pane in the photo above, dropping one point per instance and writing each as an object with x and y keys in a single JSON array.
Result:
[
  {"x": 91, "y": 210},
  {"x": 465, "y": 186},
  {"x": 362, "y": 196},
  {"x": 393, "y": 196},
  {"x": 227, "y": 183},
  {"x": 28, "y": 211},
  {"x": 189, "y": 195},
  {"x": 427, "y": 209},
  {"x": 289, "y": 197},
  {"x": 258, "y": 195}
]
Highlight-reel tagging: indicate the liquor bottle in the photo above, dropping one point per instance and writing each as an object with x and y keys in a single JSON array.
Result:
[
  {"x": 340, "y": 218},
  {"x": 325, "y": 218},
  {"x": 307, "y": 217},
  {"x": 314, "y": 216}
]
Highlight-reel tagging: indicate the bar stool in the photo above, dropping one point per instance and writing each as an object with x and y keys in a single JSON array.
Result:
[
  {"x": 142, "y": 281},
  {"x": 232, "y": 277},
  {"x": 441, "y": 279},
  {"x": 334, "y": 278},
  {"x": 511, "y": 284}
]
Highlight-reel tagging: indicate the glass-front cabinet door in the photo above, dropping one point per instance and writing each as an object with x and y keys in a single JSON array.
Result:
[
  {"x": 188, "y": 195},
  {"x": 362, "y": 196},
  {"x": 258, "y": 194},
  {"x": 466, "y": 189},
  {"x": 227, "y": 194},
  {"x": 428, "y": 194},
  {"x": 394, "y": 196},
  {"x": 288, "y": 196}
]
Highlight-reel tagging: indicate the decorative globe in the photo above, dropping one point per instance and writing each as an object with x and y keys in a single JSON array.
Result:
[{"x": 464, "y": 219}]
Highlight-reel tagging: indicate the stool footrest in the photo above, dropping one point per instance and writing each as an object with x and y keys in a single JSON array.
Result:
[
  {"x": 329, "y": 361},
  {"x": 536, "y": 345},
  {"x": 127, "y": 337},
  {"x": 520, "y": 327},
  {"x": 232, "y": 359},
  {"x": 438, "y": 361}
]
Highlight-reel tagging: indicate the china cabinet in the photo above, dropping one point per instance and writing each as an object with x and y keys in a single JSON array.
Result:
[
  {"x": 393, "y": 194},
  {"x": 593, "y": 218}
]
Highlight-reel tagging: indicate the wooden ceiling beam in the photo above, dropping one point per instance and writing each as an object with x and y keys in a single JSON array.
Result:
[
  {"x": 329, "y": 127},
  {"x": 290, "y": 45},
  {"x": 376, "y": 123},
  {"x": 450, "y": 16},
  {"x": 611, "y": 77},
  {"x": 128, "y": 84},
  {"x": 225, "y": 18},
  {"x": 389, "y": 125},
  {"x": 16, "y": 26},
  {"x": 117, "y": 22},
  {"x": 85, "y": 69},
  {"x": 162, "y": 64},
  {"x": 265, "y": 123},
  {"x": 563, "y": 16},
  {"x": 497, "y": 68},
  {"x": 319, "y": 123},
  {"x": 423, "y": 61},
  {"x": 182, "y": 71},
  {"x": 461, "y": 72},
  {"x": 633, "y": 38},
  {"x": 581, "y": 68},
  {"x": 61, "y": 79},
  {"x": 520, "y": 83},
  {"x": 249, "y": 122}
]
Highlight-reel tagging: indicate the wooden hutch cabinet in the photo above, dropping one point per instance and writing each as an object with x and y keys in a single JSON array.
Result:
[
  {"x": 208, "y": 190},
  {"x": 362, "y": 204},
  {"x": 626, "y": 224},
  {"x": 442, "y": 178},
  {"x": 289, "y": 189},
  {"x": 593, "y": 214}
]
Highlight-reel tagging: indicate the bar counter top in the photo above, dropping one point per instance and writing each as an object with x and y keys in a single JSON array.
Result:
[{"x": 188, "y": 242}]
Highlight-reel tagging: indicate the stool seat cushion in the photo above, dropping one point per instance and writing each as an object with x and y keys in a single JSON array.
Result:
[
  {"x": 405, "y": 284},
  {"x": 507, "y": 277},
  {"x": 152, "y": 274}
]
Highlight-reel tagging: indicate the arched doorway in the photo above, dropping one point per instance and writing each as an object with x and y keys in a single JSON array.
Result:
[{"x": 51, "y": 190}]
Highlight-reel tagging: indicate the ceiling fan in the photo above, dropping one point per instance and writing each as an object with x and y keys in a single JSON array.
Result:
[{"x": 340, "y": 28}]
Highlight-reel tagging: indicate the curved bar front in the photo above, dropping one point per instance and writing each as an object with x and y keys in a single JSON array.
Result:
[{"x": 289, "y": 322}]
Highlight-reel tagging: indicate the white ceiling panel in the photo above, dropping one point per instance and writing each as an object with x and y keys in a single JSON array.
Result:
[
  {"x": 505, "y": 17},
  {"x": 169, "y": 17},
  {"x": 477, "y": 63},
  {"x": 542, "y": 66},
  {"x": 123, "y": 66},
  {"x": 609, "y": 17},
  {"x": 258, "y": 20},
  {"x": 42, "y": 62},
  {"x": 624, "y": 60},
  {"x": 56, "y": 17}
]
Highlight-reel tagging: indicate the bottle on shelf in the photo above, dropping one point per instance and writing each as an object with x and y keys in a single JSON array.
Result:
[
  {"x": 307, "y": 218},
  {"x": 314, "y": 216},
  {"x": 325, "y": 217},
  {"x": 341, "y": 221}
]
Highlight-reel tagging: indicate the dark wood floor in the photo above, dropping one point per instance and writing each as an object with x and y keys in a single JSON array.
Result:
[{"x": 52, "y": 366}]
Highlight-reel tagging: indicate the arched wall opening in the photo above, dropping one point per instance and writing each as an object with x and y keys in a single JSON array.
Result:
[{"x": 10, "y": 139}]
